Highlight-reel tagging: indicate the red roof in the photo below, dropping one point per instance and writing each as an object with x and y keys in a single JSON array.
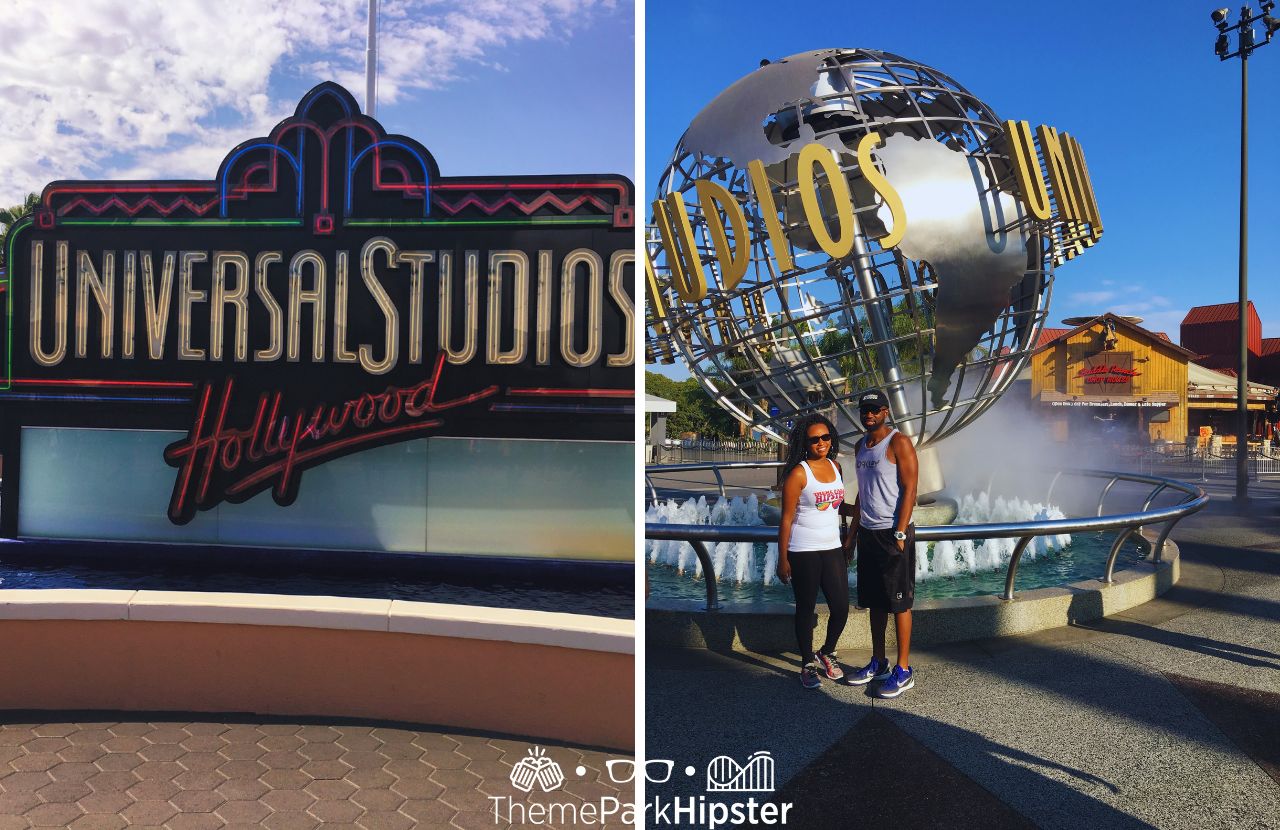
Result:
[
  {"x": 1220, "y": 313},
  {"x": 1270, "y": 345},
  {"x": 1047, "y": 336}
]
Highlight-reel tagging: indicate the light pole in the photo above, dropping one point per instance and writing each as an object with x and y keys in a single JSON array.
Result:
[
  {"x": 1246, "y": 43},
  {"x": 371, "y": 63}
]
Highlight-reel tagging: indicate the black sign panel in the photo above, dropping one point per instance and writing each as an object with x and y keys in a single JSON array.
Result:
[{"x": 330, "y": 291}]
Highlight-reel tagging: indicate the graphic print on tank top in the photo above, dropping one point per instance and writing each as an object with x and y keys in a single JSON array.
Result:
[
  {"x": 825, "y": 494},
  {"x": 822, "y": 499}
]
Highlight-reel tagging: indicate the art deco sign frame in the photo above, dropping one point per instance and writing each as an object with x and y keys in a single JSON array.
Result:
[{"x": 328, "y": 292}]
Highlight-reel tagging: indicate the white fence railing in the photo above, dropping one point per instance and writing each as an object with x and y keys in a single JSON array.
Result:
[
  {"x": 1204, "y": 462},
  {"x": 688, "y": 450}
]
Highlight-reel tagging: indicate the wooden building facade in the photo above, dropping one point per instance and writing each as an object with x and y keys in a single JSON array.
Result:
[{"x": 1111, "y": 380}]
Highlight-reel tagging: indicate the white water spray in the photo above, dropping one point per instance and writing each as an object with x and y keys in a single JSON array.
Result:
[{"x": 737, "y": 561}]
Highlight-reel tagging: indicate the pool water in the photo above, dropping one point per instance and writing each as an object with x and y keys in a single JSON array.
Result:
[
  {"x": 605, "y": 592},
  {"x": 1085, "y": 558}
]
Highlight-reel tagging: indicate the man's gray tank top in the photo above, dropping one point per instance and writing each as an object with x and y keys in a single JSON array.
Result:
[{"x": 877, "y": 484}]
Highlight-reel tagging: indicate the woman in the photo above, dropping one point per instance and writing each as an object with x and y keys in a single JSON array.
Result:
[{"x": 809, "y": 550}]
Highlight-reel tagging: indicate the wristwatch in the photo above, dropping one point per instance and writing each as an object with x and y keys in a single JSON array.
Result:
[{"x": 900, "y": 536}]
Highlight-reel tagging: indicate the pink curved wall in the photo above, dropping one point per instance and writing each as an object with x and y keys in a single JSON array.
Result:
[{"x": 540, "y": 691}]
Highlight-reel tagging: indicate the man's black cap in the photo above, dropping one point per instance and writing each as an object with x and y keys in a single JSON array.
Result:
[{"x": 872, "y": 401}]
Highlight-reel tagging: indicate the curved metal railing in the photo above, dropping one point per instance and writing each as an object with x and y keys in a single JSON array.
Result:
[
  {"x": 714, "y": 466},
  {"x": 1126, "y": 523}
]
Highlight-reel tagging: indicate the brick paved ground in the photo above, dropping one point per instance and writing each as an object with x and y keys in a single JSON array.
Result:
[
  {"x": 94, "y": 772},
  {"x": 1164, "y": 716}
]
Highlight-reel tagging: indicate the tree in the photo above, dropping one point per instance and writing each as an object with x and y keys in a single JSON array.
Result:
[
  {"x": 696, "y": 411},
  {"x": 911, "y": 360},
  {"x": 10, "y": 217}
]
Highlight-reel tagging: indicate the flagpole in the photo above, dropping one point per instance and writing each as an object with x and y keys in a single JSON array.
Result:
[{"x": 371, "y": 62}]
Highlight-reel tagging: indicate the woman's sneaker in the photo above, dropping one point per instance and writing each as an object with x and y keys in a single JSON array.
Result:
[
  {"x": 809, "y": 676},
  {"x": 828, "y": 665},
  {"x": 875, "y": 670},
  {"x": 898, "y": 681}
]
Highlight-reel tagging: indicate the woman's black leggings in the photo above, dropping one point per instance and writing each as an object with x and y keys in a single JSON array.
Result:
[{"x": 811, "y": 569}]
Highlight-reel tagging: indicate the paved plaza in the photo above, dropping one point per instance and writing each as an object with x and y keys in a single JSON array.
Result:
[
  {"x": 1165, "y": 716},
  {"x": 103, "y": 772}
]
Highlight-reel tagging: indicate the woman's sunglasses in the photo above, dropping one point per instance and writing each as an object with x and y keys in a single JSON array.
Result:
[{"x": 826, "y": 436}]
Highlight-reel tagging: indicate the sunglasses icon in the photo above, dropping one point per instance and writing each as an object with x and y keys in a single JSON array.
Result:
[{"x": 623, "y": 770}]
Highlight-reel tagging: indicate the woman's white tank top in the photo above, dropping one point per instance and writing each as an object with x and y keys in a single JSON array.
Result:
[{"x": 817, "y": 522}]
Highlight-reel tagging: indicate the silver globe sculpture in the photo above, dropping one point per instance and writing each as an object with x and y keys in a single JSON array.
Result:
[{"x": 942, "y": 322}]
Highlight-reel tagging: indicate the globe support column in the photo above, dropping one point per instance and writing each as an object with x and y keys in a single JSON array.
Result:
[
  {"x": 1242, "y": 380},
  {"x": 930, "y": 476},
  {"x": 881, "y": 330}
]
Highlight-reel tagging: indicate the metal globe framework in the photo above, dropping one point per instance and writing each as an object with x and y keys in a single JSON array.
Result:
[{"x": 783, "y": 343}]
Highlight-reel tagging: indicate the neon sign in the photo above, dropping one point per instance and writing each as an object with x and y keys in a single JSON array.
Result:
[
  {"x": 1107, "y": 374},
  {"x": 1107, "y": 369},
  {"x": 328, "y": 292}
]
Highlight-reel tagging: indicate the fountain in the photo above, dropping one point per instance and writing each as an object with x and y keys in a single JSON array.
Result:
[{"x": 743, "y": 562}]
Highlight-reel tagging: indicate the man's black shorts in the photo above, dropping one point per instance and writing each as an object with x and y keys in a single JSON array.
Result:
[{"x": 886, "y": 576}]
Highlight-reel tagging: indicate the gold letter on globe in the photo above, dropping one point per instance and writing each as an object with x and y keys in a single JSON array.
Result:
[
  {"x": 733, "y": 263},
  {"x": 892, "y": 200},
  {"x": 1022, "y": 155},
  {"x": 811, "y": 157},
  {"x": 769, "y": 213},
  {"x": 681, "y": 248}
]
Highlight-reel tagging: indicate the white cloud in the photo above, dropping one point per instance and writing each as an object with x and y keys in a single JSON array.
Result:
[
  {"x": 1169, "y": 322},
  {"x": 1092, "y": 298},
  {"x": 163, "y": 88},
  {"x": 1157, "y": 311}
]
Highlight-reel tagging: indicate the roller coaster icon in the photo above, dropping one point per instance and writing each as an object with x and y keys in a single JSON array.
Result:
[{"x": 726, "y": 775}]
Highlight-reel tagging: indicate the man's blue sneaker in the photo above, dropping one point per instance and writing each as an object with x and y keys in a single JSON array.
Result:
[
  {"x": 875, "y": 670},
  {"x": 898, "y": 681}
]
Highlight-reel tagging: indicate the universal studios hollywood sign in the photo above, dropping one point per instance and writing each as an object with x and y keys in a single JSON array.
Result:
[{"x": 328, "y": 292}]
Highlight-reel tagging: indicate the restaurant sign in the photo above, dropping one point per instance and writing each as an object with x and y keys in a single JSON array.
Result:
[
  {"x": 1108, "y": 373},
  {"x": 328, "y": 292}
]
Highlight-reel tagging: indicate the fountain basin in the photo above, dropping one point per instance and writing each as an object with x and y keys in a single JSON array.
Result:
[{"x": 766, "y": 626}]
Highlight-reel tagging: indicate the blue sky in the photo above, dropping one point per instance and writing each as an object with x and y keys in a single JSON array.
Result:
[
  {"x": 164, "y": 88},
  {"x": 1137, "y": 84}
]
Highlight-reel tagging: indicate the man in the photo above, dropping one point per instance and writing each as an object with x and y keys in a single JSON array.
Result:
[{"x": 885, "y": 539}]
